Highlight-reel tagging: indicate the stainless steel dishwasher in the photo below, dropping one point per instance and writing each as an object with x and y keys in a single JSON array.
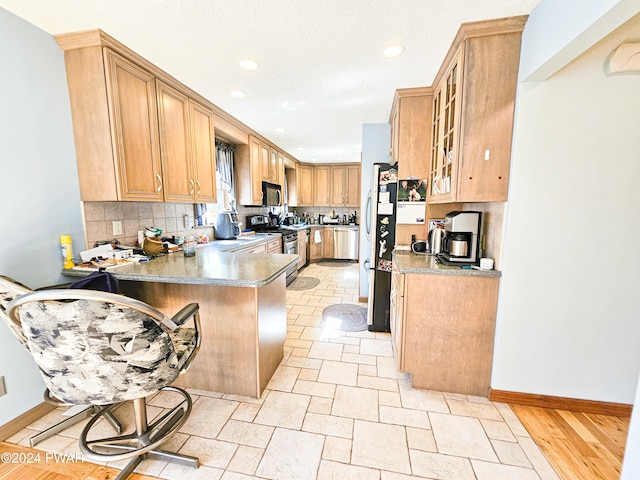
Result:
[{"x": 345, "y": 243}]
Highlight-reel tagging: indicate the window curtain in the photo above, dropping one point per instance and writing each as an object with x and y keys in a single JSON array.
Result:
[
  {"x": 224, "y": 162},
  {"x": 224, "y": 166}
]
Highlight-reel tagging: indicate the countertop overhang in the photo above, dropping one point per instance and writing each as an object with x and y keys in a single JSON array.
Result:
[
  {"x": 409, "y": 262},
  {"x": 213, "y": 264}
]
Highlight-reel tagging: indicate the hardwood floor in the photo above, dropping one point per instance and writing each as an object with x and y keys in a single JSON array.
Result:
[
  {"x": 580, "y": 446},
  {"x": 21, "y": 463}
]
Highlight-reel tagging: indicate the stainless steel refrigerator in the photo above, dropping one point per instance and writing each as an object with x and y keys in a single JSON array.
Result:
[{"x": 382, "y": 221}]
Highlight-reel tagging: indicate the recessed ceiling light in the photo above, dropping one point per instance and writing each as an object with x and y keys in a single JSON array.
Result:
[
  {"x": 249, "y": 65},
  {"x": 300, "y": 148},
  {"x": 238, "y": 94},
  {"x": 314, "y": 159},
  {"x": 280, "y": 130},
  {"x": 393, "y": 51}
]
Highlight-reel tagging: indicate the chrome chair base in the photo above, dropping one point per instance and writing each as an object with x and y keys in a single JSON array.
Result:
[
  {"x": 72, "y": 420},
  {"x": 144, "y": 441}
]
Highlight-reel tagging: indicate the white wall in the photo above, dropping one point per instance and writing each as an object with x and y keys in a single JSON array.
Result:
[
  {"x": 39, "y": 193},
  {"x": 568, "y": 322},
  {"x": 559, "y": 31}
]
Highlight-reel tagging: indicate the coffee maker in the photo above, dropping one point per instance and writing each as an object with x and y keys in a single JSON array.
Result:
[{"x": 461, "y": 242}]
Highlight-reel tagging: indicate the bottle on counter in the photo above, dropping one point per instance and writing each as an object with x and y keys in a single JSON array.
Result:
[{"x": 66, "y": 246}]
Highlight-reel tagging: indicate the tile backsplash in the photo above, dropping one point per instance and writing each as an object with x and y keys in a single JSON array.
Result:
[
  {"x": 135, "y": 216},
  {"x": 492, "y": 228}
]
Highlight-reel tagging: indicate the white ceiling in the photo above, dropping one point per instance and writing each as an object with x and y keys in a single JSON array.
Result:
[{"x": 322, "y": 73}]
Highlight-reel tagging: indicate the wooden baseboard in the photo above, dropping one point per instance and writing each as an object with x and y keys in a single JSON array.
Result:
[
  {"x": 363, "y": 299},
  {"x": 562, "y": 403},
  {"x": 22, "y": 421}
]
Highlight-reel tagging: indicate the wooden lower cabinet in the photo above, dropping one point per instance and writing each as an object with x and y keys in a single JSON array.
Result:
[
  {"x": 327, "y": 250},
  {"x": 243, "y": 331},
  {"x": 303, "y": 240},
  {"x": 317, "y": 248},
  {"x": 443, "y": 330},
  {"x": 274, "y": 245}
]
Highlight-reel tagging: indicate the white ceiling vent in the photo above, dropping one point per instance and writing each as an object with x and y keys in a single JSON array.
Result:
[{"x": 624, "y": 59}]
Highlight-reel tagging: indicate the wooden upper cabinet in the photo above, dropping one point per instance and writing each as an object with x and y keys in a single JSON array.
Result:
[
  {"x": 140, "y": 134},
  {"x": 175, "y": 144},
  {"x": 472, "y": 117},
  {"x": 352, "y": 186},
  {"x": 321, "y": 185},
  {"x": 410, "y": 121},
  {"x": 345, "y": 186},
  {"x": 250, "y": 167},
  {"x": 446, "y": 130},
  {"x": 267, "y": 162},
  {"x": 187, "y": 147},
  {"x": 131, "y": 96},
  {"x": 337, "y": 186},
  {"x": 305, "y": 185},
  {"x": 204, "y": 152},
  {"x": 279, "y": 170}
]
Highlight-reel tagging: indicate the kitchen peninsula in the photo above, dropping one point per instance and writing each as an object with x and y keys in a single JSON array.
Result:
[{"x": 242, "y": 298}]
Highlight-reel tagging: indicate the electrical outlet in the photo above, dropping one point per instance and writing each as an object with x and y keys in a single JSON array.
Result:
[
  {"x": 117, "y": 228},
  {"x": 3, "y": 390}
]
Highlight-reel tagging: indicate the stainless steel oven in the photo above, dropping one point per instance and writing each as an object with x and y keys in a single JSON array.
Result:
[{"x": 290, "y": 246}]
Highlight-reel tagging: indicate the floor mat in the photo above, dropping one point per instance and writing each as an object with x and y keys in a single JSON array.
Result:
[
  {"x": 304, "y": 283},
  {"x": 345, "y": 316},
  {"x": 334, "y": 264}
]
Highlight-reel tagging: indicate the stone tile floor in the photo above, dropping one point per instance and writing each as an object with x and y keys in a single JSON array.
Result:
[{"x": 336, "y": 408}]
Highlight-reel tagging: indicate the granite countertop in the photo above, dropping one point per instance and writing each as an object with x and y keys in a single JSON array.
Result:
[
  {"x": 213, "y": 264},
  {"x": 337, "y": 225},
  {"x": 409, "y": 262}
]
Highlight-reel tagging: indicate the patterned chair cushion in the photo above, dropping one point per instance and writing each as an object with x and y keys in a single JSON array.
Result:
[
  {"x": 184, "y": 342},
  {"x": 99, "y": 353},
  {"x": 10, "y": 289}
]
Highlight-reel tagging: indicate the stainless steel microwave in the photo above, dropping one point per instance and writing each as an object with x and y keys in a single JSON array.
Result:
[{"x": 271, "y": 194}]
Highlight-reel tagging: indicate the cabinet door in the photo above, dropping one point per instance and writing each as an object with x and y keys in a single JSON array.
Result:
[
  {"x": 352, "y": 186},
  {"x": 316, "y": 249},
  {"x": 321, "y": 185},
  {"x": 302, "y": 249},
  {"x": 265, "y": 162},
  {"x": 327, "y": 238},
  {"x": 131, "y": 94},
  {"x": 256, "y": 170},
  {"x": 337, "y": 186},
  {"x": 487, "y": 130},
  {"x": 203, "y": 153},
  {"x": 305, "y": 187},
  {"x": 279, "y": 170},
  {"x": 175, "y": 144},
  {"x": 273, "y": 165},
  {"x": 446, "y": 146},
  {"x": 396, "y": 319}
]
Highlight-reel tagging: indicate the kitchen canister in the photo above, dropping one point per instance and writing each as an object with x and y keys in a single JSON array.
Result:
[
  {"x": 486, "y": 263},
  {"x": 66, "y": 245}
]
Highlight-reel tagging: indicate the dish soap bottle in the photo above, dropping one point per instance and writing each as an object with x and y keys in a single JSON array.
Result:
[{"x": 67, "y": 251}]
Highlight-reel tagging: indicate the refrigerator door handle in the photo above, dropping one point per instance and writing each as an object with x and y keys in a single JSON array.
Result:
[{"x": 368, "y": 214}]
